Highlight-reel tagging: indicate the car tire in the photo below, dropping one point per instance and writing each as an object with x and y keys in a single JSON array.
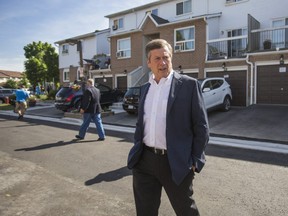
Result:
[{"x": 226, "y": 104}]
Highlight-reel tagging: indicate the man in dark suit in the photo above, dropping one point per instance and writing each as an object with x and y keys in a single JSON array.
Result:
[
  {"x": 170, "y": 138},
  {"x": 91, "y": 109}
]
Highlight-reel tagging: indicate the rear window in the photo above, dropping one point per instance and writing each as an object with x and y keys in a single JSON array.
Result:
[{"x": 65, "y": 90}]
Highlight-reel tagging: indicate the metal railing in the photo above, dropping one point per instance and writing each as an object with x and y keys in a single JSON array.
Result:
[
  {"x": 267, "y": 39},
  {"x": 232, "y": 47}
]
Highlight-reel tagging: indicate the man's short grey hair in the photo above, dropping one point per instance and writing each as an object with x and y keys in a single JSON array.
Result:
[
  {"x": 157, "y": 44},
  {"x": 91, "y": 81}
]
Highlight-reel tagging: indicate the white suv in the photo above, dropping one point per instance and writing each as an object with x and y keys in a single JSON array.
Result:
[{"x": 216, "y": 93}]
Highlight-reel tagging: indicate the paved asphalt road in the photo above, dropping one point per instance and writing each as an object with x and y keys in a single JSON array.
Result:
[{"x": 44, "y": 171}]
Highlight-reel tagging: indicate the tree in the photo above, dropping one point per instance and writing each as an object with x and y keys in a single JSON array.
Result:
[
  {"x": 42, "y": 63},
  {"x": 11, "y": 84}
]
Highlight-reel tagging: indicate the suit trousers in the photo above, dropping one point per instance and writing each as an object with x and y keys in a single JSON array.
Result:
[{"x": 150, "y": 175}]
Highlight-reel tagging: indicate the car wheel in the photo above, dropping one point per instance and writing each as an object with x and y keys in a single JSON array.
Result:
[{"x": 226, "y": 104}]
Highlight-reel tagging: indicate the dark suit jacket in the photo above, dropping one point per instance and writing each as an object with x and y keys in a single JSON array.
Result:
[
  {"x": 187, "y": 130},
  {"x": 91, "y": 100}
]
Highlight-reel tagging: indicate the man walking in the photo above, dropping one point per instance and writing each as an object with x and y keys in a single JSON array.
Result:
[
  {"x": 21, "y": 104},
  {"x": 170, "y": 137},
  {"x": 91, "y": 109}
]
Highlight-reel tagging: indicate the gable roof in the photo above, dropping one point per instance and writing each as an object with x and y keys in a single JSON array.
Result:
[
  {"x": 159, "y": 20},
  {"x": 8, "y": 74}
]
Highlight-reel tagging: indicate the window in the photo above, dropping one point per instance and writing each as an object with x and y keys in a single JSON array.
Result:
[
  {"x": 124, "y": 48},
  {"x": 118, "y": 24},
  {"x": 65, "y": 49},
  {"x": 237, "y": 46},
  {"x": 232, "y": 1},
  {"x": 185, "y": 39},
  {"x": 280, "y": 36},
  {"x": 155, "y": 12},
  {"x": 66, "y": 75},
  {"x": 183, "y": 7}
]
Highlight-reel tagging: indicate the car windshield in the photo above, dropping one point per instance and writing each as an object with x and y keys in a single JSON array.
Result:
[{"x": 133, "y": 91}]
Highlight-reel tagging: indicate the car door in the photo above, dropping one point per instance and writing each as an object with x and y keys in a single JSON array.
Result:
[
  {"x": 208, "y": 94},
  {"x": 217, "y": 91}
]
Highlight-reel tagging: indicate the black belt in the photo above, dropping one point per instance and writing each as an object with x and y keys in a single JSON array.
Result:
[{"x": 156, "y": 150}]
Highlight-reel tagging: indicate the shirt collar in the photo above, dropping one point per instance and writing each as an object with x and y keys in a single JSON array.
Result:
[{"x": 168, "y": 78}]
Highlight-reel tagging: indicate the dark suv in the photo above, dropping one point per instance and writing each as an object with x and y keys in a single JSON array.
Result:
[
  {"x": 68, "y": 98},
  {"x": 131, "y": 100}
]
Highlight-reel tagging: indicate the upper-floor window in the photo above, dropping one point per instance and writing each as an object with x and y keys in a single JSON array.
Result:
[
  {"x": 123, "y": 48},
  {"x": 65, "y": 49},
  {"x": 184, "y": 39},
  {"x": 280, "y": 35},
  {"x": 184, "y": 7},
  {"x": 118, "y": 24},
  {"x": 238, "y": 45},
  {"x": 155, "y": 12},
  {"x": 232, "y": 1}
]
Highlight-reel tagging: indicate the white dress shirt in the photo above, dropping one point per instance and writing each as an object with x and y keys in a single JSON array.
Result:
[{"x": 155, "y": 109}]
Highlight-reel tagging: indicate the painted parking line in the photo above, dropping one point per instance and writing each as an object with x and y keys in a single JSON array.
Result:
[{"x": 236, "y": 143}]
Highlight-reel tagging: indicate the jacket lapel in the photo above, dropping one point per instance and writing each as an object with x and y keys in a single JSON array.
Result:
[{"x": 175, "y": 86}]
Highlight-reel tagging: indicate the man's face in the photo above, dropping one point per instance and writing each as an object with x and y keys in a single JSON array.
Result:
[{"x": 160, "y": 63}]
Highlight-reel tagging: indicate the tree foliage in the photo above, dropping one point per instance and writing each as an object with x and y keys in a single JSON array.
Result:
[{"x": 42, "y": 63}]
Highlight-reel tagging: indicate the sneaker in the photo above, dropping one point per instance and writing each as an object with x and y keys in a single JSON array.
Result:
[
  {"x": 78, "y": 137},
  {"x": 100, "y": 139}
]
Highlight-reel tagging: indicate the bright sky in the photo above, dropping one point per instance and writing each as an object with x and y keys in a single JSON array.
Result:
[{"x": 25, "y": 21}]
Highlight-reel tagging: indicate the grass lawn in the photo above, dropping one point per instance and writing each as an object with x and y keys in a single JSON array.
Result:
[{"x": 6, "y": 107}]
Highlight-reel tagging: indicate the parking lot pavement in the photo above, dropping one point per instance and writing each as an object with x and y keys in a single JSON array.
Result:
[{"x": 257, "y": 122}]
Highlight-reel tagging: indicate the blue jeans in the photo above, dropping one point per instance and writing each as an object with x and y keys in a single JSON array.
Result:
[{"x": 96, "y": 118}]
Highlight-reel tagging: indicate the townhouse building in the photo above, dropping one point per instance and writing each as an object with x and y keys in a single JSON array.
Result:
[
  {"x": 244, "y": 41},
  {"x": 80, "y": 55}
]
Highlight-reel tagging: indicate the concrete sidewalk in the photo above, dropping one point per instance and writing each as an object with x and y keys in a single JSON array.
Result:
[{"x": 257, "y": 122}]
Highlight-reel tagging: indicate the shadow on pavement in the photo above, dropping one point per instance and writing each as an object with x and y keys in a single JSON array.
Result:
[
  {"x": 52, "y": 145},
  {"x": 113, "y": 175}
]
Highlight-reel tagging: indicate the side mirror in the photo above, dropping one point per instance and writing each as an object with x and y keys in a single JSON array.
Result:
[{"x": 206, "y": 89}]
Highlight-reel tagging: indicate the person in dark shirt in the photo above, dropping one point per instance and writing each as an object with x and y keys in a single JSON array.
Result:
[{"x": 91, "y": 109}]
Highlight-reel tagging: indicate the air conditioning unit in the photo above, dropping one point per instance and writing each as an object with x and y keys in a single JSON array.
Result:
[
  {"x": 120, "y": 54},
  {"x": 114, "y": 27},
  {"x": 178, "y": 48}
]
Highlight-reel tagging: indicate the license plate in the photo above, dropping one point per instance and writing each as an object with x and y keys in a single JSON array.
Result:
[{"x": 130, "y": 107}]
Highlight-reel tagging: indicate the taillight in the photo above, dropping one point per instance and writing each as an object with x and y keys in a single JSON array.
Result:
[{"x": 69, "y": 98}]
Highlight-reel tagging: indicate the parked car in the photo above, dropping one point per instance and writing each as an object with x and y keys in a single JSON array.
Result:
[
  {"x": 69, "y": 98},
  {"x": 5, "y": 94},
  {"x": 216, "y": 93},
  {"x": 131, "y": 100}
]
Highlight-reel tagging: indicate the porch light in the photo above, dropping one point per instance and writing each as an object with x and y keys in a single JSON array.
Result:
[
  {"x": 224, "y": 66},
  {"x": 282, "y": 59}
]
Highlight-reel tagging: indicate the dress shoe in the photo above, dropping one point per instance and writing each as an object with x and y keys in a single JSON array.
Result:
[
  {"x": 20, "y": 117},
  {"x": 78, "y": 137},
  {"x": 100, "y": 139}
]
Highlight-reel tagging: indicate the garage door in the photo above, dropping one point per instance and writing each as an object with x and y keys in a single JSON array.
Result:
[
  {"x": 272, "y": 85},
  {"x": 121, "y": 82},
  {"x": 237, "y": 81}
]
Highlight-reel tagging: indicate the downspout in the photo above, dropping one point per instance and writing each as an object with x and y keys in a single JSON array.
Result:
[{"x": 251, "y": 78}]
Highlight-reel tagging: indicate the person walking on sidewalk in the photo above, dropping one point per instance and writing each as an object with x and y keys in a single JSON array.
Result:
[
  {"x": 91, "y": 109},
  {"x": 170, "y": 138},
  {"x": 21, "y": 104}
]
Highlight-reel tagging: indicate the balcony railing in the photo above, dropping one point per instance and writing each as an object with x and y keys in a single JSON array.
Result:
[
  {"x": 267, "y": 39},
  {"x": 259, "y": 40},
  {"x": 232, "y": 47}
]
